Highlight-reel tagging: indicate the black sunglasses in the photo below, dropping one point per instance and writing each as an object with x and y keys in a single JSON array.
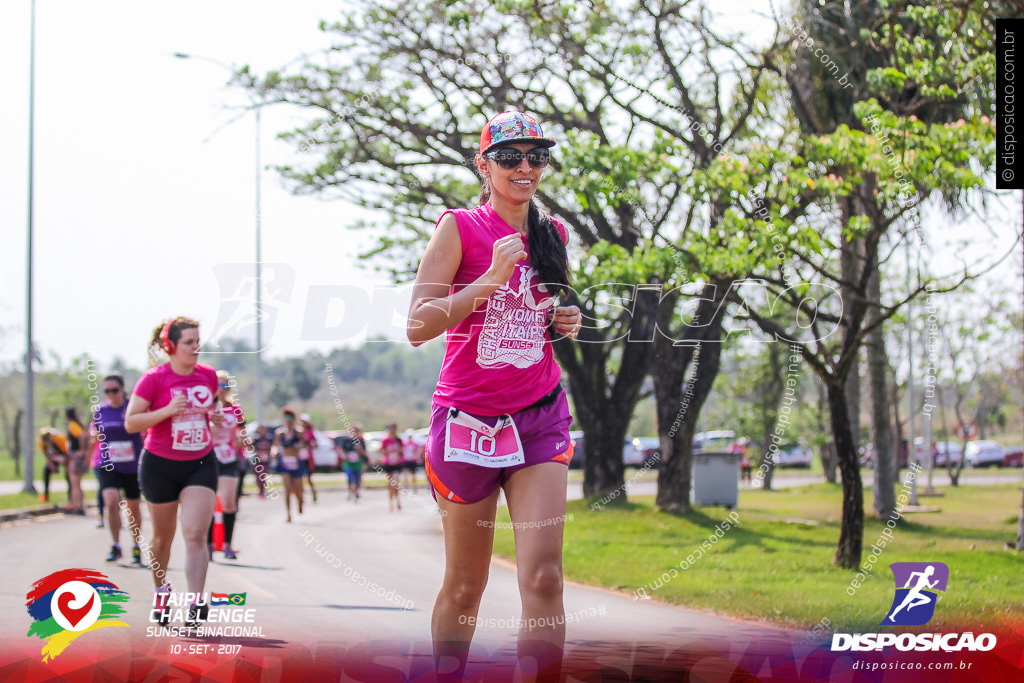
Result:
[
  {"x": 510, "y": 157},
  {"x": 112, "y": 391}
]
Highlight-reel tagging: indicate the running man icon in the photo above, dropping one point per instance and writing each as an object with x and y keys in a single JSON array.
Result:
[
  {"x": 915, "y": 597},
  {"x": 917, "y": 584}
]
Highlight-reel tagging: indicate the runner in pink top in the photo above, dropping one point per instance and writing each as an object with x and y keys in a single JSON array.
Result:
[
  {"x": 177, "y": 403},
  {"x": 309, "y": 434},
  {"x": 490, "y": 278},
  {"x": 391, "y": 464},
  {"x": 228, "y": 452}
]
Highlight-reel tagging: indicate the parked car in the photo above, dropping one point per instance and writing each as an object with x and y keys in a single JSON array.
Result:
[
  {"x": 944, "y": 450},
  {"x": 651, "y": 448},
  {"x": 793, "y": 454},
  {"x": 632, "y": 454},
  {"x": 983, "y": 454},
  {"x": 1013, "y": 456},
  {"x": 577, "y": 454},
  {"x": 720, "y": 441}
]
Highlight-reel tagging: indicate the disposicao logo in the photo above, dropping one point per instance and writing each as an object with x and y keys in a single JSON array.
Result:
[
  {"x": 916, "y": 586},
  {"x": 68, "y": 603},
  {"x": 916, "y": 591}
]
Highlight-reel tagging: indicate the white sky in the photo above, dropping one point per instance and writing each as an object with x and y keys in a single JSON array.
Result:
[{"x": 136, "y": 216}]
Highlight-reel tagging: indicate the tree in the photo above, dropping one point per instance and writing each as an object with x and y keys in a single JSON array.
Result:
[
  {"x": 873, "y": 195},
  {"x": 402, "y": 96},
  {"x": 972, "y": 335}
]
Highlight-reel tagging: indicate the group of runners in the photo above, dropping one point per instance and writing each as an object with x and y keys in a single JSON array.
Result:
[{"x": 490, "y": 280}]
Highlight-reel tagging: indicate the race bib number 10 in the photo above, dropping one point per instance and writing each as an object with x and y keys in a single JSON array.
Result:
[{"x": 469, "y": 440}]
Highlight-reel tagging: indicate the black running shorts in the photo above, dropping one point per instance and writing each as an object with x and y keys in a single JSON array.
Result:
[
  {"x": 127, "y": 481},
  {"x": 163, "y": 479}
]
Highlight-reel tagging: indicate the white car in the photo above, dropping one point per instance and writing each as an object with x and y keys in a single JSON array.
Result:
[
  {"x": 720, "y": 440},
  {"x": 632, "y": 454},
  {"x": 945, "y": 450},
  {"x": 795, "y": 454},
  {"x": 984, "y": 454}
]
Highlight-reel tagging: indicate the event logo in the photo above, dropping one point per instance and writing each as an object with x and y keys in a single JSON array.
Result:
[
  {"x": 916, "y": 586},
  {"x": 68, "y": 603},
  {"x": 913, "y": 605},
  {"x": 237, "y": 316}
]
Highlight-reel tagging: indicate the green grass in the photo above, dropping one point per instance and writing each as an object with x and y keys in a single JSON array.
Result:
[
  {"x": 777, "y": 564},
  {"x": 7, "y": 467},
  {"x": 26, "y": 500}
]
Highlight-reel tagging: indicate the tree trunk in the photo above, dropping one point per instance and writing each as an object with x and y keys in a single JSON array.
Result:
[
  {"x": 18, "y": 455},
  {"x": 678, "y": 405},
  {"x": 850, "y": 257},
  {"x": 603, "y": 411},
  {"x": 776, "y": 352},
  {"x": 851, "y": 534},
  {"x": 828, "y": 451},
  {"x": 886, "y": 463}
]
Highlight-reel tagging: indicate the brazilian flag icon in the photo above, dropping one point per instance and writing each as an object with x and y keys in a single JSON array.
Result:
[{"x": 237, "y": 598}]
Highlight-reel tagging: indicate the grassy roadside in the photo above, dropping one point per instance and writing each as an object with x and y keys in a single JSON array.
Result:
[{"x": 776, "y": 565}]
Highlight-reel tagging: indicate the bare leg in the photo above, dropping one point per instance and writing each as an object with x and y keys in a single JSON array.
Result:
[
  {"x": 111, "y": 498},
  {"x": 536, "y": 503},
  {"x": 467, "y": 549},
  {"x": 165, "y": 521},
  {"x": 297, "y": 488},
  {"x": 134, "y": 520},
  {"x": 286, "y": 479},
  {"x": 75, "y": 497},
  {"x": 227, "y": 489},
  {"x": 197, "y": 505}
]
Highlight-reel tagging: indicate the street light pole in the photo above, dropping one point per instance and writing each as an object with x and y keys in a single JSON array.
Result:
[
  {"x": 256, "y": 106},
  {"x": 30, "y": 413},
  {"x": 911, "y": 450},
  {"x": 259, "y": 278}
]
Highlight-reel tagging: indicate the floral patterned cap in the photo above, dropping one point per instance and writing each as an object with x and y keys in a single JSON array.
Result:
[{"x": 509, "y": 127}]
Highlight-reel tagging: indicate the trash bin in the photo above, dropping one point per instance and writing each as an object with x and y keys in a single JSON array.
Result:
[{"x": 716, "y": 479}]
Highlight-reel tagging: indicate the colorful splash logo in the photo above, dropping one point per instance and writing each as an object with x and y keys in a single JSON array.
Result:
[
  {"x": 916, "y": 586},
  {"x": 68, "y": 603}
]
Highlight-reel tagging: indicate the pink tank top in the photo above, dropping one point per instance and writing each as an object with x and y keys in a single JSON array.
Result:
[{"x": 499, "y": 359}]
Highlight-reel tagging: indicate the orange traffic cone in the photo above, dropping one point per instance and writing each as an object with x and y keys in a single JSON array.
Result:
[{"x": 218, "y": 526}]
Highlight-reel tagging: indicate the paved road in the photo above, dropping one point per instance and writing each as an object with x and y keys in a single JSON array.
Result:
[{"x": 304, "y": 581}]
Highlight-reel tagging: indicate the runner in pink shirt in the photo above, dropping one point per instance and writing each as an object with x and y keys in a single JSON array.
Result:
[
  {"x": 391, "y": 464},
  {"x": 176, "y": 402},
  {"x": 228, "y": 452},
  {"x": 309, "y": 434},
  {"x": 490, "y": 278}
]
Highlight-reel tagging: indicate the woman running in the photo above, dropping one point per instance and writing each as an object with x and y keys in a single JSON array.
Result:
[
  {"x": 176, "y": 402},
  {"x": 78, "y": 460},
  {"x": 309, "y": 434},
  {"x": 391, "y": 464},
  {"x": 288, "y": 443},
  {"x": 411, "y": 452},
  {"x": 261, "y": 443},
  {"x": 229, "y": 463},
  {"x": 94, "y": 463},
  {"x": 489, "y": 278},
  {"x": 118, "y": 468}
]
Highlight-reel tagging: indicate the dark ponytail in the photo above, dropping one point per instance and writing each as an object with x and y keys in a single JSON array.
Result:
[{"x": 547, "y": 250}]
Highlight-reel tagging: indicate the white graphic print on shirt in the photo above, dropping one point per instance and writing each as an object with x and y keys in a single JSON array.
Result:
[{"x": 513, "y": 329}]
